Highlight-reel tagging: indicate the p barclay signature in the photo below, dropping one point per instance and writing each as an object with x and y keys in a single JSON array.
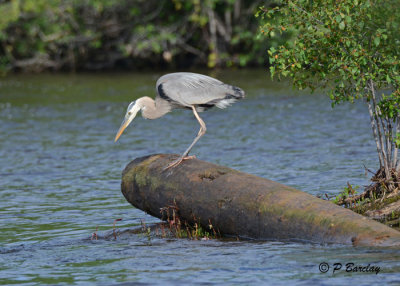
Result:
[{"x": 348, "y": 267}]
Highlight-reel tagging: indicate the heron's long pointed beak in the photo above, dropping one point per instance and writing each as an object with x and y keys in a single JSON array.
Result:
[
  {"x": 133, "y": 109},
  {"x": 121, "y": 129}
]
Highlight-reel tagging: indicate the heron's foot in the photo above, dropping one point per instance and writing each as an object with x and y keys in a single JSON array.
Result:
[
  {"x": 174, "y": 163},
  {"x": 178, "y": 161},
  {"x": 189, "y": 157}
]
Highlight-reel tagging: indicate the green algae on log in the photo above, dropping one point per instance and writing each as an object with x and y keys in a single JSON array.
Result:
[{"x": 243, "y": 205}]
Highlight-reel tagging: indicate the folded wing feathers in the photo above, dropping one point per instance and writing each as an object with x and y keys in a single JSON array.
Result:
[{"x": 196, "y": 89}]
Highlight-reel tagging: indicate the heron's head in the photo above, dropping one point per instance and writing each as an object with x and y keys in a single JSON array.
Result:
[{"x": 131, "y": 112}]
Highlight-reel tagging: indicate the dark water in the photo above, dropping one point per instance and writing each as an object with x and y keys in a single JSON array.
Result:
[{"x": 60, "y": 180}]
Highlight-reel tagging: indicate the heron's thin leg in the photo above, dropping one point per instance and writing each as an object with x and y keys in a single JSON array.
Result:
[{"x": 202, "y": 131}]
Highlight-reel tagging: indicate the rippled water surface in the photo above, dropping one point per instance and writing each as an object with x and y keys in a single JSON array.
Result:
[{"x": 60, "y": 180}]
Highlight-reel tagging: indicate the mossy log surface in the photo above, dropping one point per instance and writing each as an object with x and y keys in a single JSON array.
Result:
[{"x": 244, "y": 205}]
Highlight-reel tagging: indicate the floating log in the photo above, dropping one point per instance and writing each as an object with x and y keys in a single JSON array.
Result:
[{"x": 243, "y": 205}]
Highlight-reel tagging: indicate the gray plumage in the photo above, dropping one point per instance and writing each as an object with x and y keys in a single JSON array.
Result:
[{"x": 183, "y": 90}]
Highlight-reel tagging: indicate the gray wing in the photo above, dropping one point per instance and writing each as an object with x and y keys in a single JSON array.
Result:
[{"x": 187, "y": 89}]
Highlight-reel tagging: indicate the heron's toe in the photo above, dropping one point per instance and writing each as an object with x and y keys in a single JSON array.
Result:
[
  {"x": 173, "y": 164},
  {"x": 189, "y": 157}
]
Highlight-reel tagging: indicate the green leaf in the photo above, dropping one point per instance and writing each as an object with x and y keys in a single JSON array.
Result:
[
  {"x": 377, "y": 40},
  {"x": 342, "y": 25},
  {"x": 272, "y": 70}
]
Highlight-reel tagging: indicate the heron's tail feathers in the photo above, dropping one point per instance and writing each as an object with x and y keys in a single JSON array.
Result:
[{"x": 233, "y": 94}]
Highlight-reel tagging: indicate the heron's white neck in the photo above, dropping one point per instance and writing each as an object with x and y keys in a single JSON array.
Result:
[{"x": 153, "y": 109}]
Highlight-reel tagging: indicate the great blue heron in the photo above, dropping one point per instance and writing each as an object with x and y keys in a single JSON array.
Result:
[{"x": 183, "y": 90}]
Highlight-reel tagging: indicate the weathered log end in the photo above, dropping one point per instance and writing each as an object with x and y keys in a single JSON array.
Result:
[{"x": 244, "y": 205}]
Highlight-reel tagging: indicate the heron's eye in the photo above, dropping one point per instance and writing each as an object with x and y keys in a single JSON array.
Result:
[{"x": 129, "y": 113}]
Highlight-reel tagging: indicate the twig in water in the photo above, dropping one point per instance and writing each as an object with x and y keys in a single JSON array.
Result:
[
  {"x": 94, "y": 234},
  {"x": 114, "y": 233}
]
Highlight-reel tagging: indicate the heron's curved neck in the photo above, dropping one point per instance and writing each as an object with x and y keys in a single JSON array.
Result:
[{"x": 153, "y": 109}]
